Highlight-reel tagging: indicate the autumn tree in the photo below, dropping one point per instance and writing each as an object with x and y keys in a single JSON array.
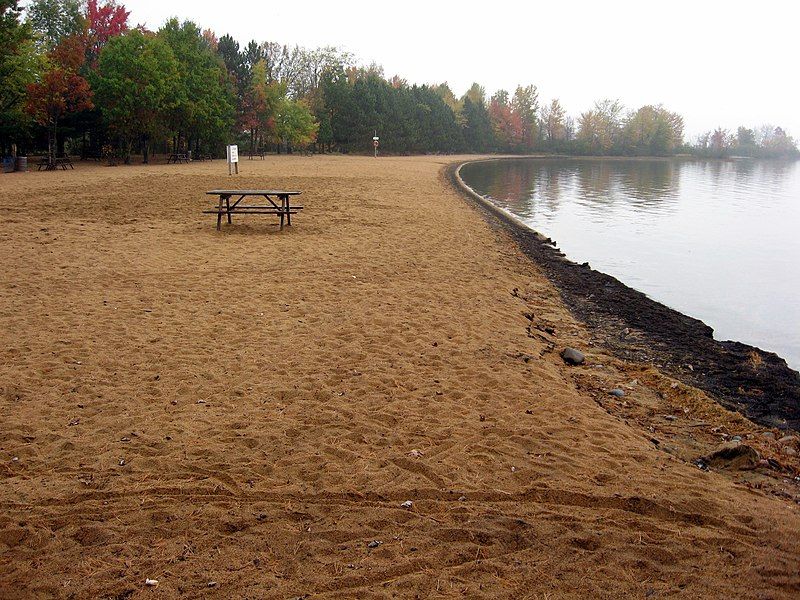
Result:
[
  {"x": 652, "y": 130},
  {"x": 778, "y": 144},
  {"x": 504, "y": 126},
  {"x": 102, "y": 23},
  {"x": 61, "y": 90},
  {"x": 262, "y": 100},
  {"x": 599, "y": 128},
  {"x": 553, "y": 118}
]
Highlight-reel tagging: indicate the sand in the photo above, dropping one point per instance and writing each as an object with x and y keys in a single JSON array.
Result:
[{"x": 239, "y": 414}]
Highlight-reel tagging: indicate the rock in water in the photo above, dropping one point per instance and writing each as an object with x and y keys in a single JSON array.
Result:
[
  {"x": 572, "y": 356},
  {"x": 733, "y": 456}
]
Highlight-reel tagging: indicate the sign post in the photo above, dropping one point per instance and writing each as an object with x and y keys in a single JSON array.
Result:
[
  {"x": 375, "y": 141},
  {"x": 233, "y": 159}
]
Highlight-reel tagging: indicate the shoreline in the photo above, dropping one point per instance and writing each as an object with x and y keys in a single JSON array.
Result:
[{"x": 757, "y": 383}]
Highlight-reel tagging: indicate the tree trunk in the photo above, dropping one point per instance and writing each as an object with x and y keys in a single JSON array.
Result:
[
  {"x": 51, "y": 135},
  {"x": 146, "y": 150}
]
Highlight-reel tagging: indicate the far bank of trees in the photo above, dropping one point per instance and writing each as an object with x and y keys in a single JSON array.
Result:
[{"x": 76, "y": 76}]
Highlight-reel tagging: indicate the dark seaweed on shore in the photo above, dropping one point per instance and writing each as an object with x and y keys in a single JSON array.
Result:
[{"x": 744, "y": 378}]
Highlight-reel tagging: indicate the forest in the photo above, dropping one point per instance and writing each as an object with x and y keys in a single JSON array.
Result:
[{"x": 77, "y": 77}]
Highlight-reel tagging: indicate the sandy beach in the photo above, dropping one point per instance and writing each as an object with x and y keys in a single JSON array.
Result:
[{"x": 244, "y": 413}]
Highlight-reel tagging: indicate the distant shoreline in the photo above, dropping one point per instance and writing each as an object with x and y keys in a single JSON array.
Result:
[{"x": 743, "y": 378}]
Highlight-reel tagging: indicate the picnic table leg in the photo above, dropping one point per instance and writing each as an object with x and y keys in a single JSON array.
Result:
[
  {"x": 288, "y": 211},
  {"x": 228, "y": 204},
  {"x": 219, "y": 214}
]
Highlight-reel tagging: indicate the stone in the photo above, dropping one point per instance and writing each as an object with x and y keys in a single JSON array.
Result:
[
  {"x": 789, "y": 451},
  {"x": 617, "y": 393},
  {"x": 407, "y": 504},
  {"x": 734, "y": 456},
  {"x": 571, "y": 356},
  {"x": 374, "y": 544},
  {"x": 788, "y": 439}
]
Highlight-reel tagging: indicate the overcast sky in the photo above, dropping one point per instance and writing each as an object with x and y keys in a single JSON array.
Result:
[{"x": 716, "y": 63}]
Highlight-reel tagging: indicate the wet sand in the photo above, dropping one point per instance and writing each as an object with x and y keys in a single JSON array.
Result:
[{"x": 242, "y": 413}]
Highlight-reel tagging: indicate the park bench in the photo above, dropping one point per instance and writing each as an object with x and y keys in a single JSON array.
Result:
[{"x": 282, "y": 208}]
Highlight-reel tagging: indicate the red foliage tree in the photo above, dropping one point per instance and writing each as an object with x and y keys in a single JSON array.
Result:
[
  {"x": 103, "y": 22},
  {"x": 61, "y": 90},
  {"x": 507, "y": 125}
]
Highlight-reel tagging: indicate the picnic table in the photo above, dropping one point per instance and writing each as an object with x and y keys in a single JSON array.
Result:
[
  {"x": 178, "y": 158},
  {"x": 225, "y": 208},
  {"x": 52, "y": 164}
]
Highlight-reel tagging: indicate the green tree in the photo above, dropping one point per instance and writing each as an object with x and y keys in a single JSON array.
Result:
[
  {"x": 20, "y": 66},
  {"x": 477, "y": 131},
  {"x": 136, "y": 88},
  {"x": 446, "y": 94},
  {"x": 205, "y": 108},
  {"x": 294, "y": 124},
  {"x": 525, "y": 109},
  {"x": 55, "y": 20}
]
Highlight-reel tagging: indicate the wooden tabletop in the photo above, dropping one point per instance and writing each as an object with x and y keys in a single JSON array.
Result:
[{"x": 252, "y": 193}]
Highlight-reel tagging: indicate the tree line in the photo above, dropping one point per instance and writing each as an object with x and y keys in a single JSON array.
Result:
[{"x": 75, "y": 75}]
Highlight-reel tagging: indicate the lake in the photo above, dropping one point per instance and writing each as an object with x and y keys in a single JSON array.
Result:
[{"x": 716, "y": 240}]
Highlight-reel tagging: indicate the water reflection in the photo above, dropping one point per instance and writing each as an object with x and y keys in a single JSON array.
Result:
[{"x": 714, "y": 239}]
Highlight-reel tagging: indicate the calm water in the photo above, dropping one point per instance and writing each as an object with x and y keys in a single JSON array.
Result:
[{"x": 719, "y": 241}]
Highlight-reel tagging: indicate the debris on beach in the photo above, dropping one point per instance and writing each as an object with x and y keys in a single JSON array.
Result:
[
  {"x": 151, "y": 582},
  {"x": 407, "y": 504},
  {"x": 415, "y": 453},
  {"x": 374, "y": 544},
  {"x": 733, "y": 455},
  {"x": 571, "y": 356}
]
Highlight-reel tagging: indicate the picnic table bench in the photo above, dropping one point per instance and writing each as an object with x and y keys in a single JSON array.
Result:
[
  {"x": 178, "y": 158},
  {"x": 52, "y": 164},
  {"x": 225, "y": 208}
]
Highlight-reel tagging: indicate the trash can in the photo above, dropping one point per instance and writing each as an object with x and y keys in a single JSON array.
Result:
[
  {"x": 22, "y": 163},
  {"x": 8, "y": 164}
]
